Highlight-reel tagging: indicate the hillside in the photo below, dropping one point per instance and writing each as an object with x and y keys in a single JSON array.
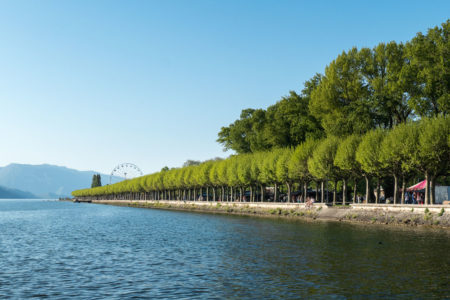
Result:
[
  {"x": 6, "y": 193},
  {"x": 46, "y": 181}
]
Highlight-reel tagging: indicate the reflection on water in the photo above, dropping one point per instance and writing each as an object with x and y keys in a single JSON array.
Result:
[{"x": 61, "y": 249}]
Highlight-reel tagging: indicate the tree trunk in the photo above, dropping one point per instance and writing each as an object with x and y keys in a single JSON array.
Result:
[
  {"x": 231, "y": 192},
  {"x": 322, "y": 188},
  {"x": 262, "y": 193},
  {"x": 354, "y": 192},
  {"x": 367, "y": 189},
  {"x": 275, "y": 192},
  {"x": 377, "y": 195},
  {"x": 403, "y": 190},
  {"x": 396, "y": 189},
  {"x": 432, "y": 190},
  {"x": 317, "y": 191},
  {"x": 305, "y": 190},
  {"x": 222, "y": 198},
  {"x": 251, "y": 193},
  {"x": 335, "y": 192},
  {"x": 427, "y": 189},
  {"x": 240, "y": 194},
  {"x": 344, "y": 191},
  {"x": 288, "y": 185}
]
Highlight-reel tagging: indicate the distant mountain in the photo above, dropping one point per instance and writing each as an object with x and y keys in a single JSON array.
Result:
[
  {"x": 6, "y": 193},
  {"x": 46, "y": 181}
]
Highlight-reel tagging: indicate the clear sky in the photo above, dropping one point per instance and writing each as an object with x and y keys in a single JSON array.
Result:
[{"x": 90, "y": 84}]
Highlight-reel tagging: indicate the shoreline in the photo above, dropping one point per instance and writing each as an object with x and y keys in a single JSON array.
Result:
[{"x": 436, "y": 216}]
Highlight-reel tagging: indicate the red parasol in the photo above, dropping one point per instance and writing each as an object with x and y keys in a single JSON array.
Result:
[{"x": 419, "y": 186}]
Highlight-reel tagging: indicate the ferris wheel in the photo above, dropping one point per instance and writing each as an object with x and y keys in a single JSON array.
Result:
[{"x": 124, "y": 171}]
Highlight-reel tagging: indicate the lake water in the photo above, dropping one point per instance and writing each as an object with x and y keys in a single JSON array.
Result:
[{"x": 62, "y": 249}]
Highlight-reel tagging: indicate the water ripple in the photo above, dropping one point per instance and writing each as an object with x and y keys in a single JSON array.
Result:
[{"x": 52, "y": 249}]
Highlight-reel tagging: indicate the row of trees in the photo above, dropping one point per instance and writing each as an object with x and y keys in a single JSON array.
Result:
[
  {"x": 410, "y": 148},
  {"x": 362, "y": 89}
]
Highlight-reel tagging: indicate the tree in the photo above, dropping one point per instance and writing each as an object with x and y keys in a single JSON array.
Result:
[
  {"x": 368, "y": 155},
  {"x": 346, "y": 161},
  {"x": 340, "y": 99},
  {"x": 428, "y": 71},
  {"x": 321, "y": 163},
  {"x": 289, "y": 122},
  {"x": 282, "y": 170},
  {"x": 232, "y": 176},
  {"x": 397, "y": 151},
  {"x": 382, "y": 69},
  {"x": 243, "y": 170},
  {"x": 245, "y": 134},
  {"x": 433, "y": 154},
  {"x": 298, "y": 164},
  {"x": 268, "y": 170},
  {"x": 96, "y": 180}
]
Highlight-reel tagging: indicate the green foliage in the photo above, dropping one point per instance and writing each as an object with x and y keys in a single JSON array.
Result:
[
  {"x": 96, "y": 180},
  {"x": 428, "y": 71},
  {"x": 384, "y": 111},
  {"x": 433, "y": 154},
  {"x": 340, "y": 99},
  {"x": 362, "y": 89},
  {"x": 244, "y": 170},
  {"x": 321, "y": 164},
  {"x": 298, "y": 164},
  {"x": 399, "y": 147},
  {"x": 368, "y": 153},
  {"x": 345, "y": 158},
  {"x": 282, "y": 165},
  {"x": 246, "y": 134}
]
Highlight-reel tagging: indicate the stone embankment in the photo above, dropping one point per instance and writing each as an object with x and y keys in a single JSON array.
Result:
[{"x": 409, "y": 215}]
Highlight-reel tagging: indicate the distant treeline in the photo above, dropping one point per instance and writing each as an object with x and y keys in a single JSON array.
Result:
[{"x": 374, "y": 114}]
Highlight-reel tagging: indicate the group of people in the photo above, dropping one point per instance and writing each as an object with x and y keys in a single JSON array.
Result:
[
  {"x": 309, "y": 201},
  {"x": 414, "y": 197}
]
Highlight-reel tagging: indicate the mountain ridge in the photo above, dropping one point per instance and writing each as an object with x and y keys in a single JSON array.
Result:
[
  {"x": 46, "y": 180},
  {"x": 7, "y": 193}
]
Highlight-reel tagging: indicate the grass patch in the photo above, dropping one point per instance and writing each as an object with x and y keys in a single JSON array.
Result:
[
  {"x": 427, "y": 217},
  {"x": 441, "y": 212}
]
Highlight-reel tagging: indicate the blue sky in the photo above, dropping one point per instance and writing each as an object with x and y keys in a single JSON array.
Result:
[{"x": 90, "y": 84}]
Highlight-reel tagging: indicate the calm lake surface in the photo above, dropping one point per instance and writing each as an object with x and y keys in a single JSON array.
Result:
[{"x": 61, "y": 249}]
